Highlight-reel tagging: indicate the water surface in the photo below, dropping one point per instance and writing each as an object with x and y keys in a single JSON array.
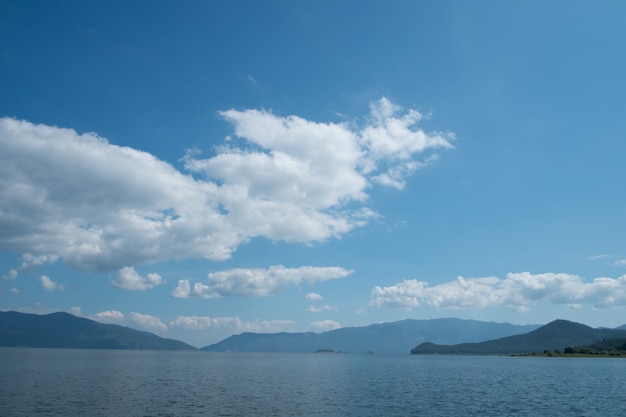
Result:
[{"x": 65, "y": 382}]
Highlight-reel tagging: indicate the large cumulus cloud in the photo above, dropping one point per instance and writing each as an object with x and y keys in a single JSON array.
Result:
[{"x": 99, "y": 206}]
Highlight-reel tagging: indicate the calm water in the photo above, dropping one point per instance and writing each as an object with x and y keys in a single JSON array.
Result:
[{"x": 64, "y": 382}]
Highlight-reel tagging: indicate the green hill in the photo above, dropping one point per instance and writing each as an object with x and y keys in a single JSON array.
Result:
[
  {"x": 556, "y": 335},
  {"x": 605, "y": 347},
  {"x": 63, "y": 330}
]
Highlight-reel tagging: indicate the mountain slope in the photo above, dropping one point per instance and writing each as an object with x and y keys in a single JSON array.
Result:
[
  {"x": 558, "y": 334},
  {"x": 384, "y": 338},
  {"x": 63, "y": 330}
]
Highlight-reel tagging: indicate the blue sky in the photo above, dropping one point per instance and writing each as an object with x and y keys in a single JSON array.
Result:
[{"x": 201, "y": 169}]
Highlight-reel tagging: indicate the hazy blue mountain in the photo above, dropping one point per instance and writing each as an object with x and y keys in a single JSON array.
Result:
[
  {"x": 558, "y": 334},
  {"x": 63, "y": 330},
  {"x": 385, "y": 338}
]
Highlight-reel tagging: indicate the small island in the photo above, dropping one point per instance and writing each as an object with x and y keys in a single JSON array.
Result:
[{"x": 326, "y": 350}]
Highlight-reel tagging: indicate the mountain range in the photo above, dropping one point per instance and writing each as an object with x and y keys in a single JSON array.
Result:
[
  {"x": 63, "y": 330},
  {"x": 435, "y": 336},
  {"x": 384, "y": 338},
  {"x": 556, "y": 335}
]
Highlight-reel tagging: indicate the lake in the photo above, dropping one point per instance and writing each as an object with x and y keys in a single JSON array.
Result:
[{"x": 66, "y": 382}]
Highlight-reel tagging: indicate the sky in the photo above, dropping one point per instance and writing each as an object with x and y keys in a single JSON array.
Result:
[{"x": 202, "y": 169}]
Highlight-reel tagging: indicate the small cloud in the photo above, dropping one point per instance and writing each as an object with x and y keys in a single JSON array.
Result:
[
  {"x": 14, "y": 291},
  {"x": 77, "y": 311},
  {"x": 182, "y": 290},
  {"x": 50, "y": 285},
  {"x": 10, "y": 276},
  {"x": 234, "y": 324},
  {"x": 29, "y": 260},
  {"x": 595, "y": 257},
  {"x": 620, "y": 262},
  {"x": 109, "y": 316},
  {"x": 148, "y": 322},
  {"x": 252, "y": 80},
  {"x": 205, "y": 322},
  {"x": 325, "y": 325},
  {"x": 128, "y": 279},
  {"x": 273, "y": 326},
  {"x": 314, "y": 309},
  {"x": 269, "y": 326},
  {"x": 313, "y": 297},
  {"x": 360, "y": 310}
]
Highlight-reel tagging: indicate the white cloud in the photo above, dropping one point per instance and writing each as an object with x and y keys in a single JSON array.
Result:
[
  {"x": 269, "y": 326},
  {"x": 50, "y": 285},
  {"x": 127, "y": 278},
  {"x": 148, "y": 322},
  {"x": 109, "y": 316},
  {"x": 76, "y": 310},
  {"x": 256, "y": 282},
  {"x": 29, "y": 260},
  {"x": 516, "y": 291},
  {"x": 394, "y": 177},
  {"x": 182, "y": 290},
  {"x": 325, "y": 325},
  {"x": 316, "y": 309},
  {"x": 11, "y": 276},
  {"x": 233, "y": 324},
  {"x": 390, "y": 139},
  {"x": 406, "y": 294},
  {"x": 620, "y": 262},
  {"x": 205, "y": 322},
  {"x": 103, "y": 207},
  {"x": 14, "y": 291},
  {"x": 313, "y": 297}
]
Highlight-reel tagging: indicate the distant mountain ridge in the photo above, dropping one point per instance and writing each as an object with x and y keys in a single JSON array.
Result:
[
  {"x": 384, "y": 338},
  {"x": 556, "y": 335},
  {"x": 63, "y": 330},
  {"x": 444, "y": 336}
]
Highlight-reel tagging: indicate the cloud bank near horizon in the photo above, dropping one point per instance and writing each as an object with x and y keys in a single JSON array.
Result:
[
  {"x": 188, "y": 323},
  {"x": 103, "y": 207},
  {"x": 516, "y": 291}
]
